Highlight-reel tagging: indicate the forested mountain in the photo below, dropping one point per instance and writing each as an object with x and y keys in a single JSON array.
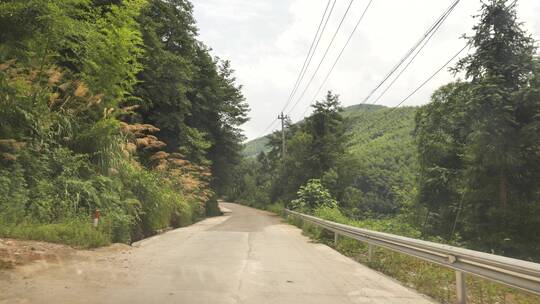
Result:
[
  {"x": 380, "y": 141},
  {"x": 381, "y": 157},
  {"x": 255, "y": 146},
  {"x": 110, "y": 105}
]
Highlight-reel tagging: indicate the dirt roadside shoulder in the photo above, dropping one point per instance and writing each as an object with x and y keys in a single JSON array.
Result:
[{"x": 18, "y": 253}]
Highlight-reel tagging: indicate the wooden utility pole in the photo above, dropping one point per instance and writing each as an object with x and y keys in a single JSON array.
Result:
[{"x": 283, "y": 145}]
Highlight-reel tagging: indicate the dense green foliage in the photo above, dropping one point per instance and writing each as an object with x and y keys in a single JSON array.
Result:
[
  {"x": 382, "y": 143},
  {"x": 479, "y": 142},
  {"x": 463, "y": 169},
  {"x": 312, "y": 196},
  {"x": 373, "y": 177},
  {"x": 110, "y": 105}
]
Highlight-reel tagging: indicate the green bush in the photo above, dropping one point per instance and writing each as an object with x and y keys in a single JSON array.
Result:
[
  {"x": 184, "y": 212},
  {"x": 46, "y": 191},
  {"x": 313, "y": 195},
  {"x": 13, "y": 193},
  {"x": 212, "y": 207},
  {"x": 157, "y": 199},
  {"x": 277, "y": 208}
]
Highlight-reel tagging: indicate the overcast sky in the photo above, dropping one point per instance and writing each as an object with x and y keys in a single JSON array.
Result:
[{"x": 267, "y": 41}]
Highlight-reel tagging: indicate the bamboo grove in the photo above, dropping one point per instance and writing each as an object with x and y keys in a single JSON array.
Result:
[{"x": 113, "y": 105}]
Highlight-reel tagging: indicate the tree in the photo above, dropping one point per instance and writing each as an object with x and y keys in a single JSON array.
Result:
[
  {"x": 327, "y": 128},
  {"x": 475, "y": 146},
  {"x": 314, "y": 146},
  {"x": 190, "y": 96}
]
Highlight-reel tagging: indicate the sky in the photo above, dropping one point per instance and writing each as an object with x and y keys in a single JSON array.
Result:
[{"x": 268, "y": 40}]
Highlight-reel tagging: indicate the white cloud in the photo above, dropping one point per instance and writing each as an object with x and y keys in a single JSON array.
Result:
[{"x": 267, "y": 42}]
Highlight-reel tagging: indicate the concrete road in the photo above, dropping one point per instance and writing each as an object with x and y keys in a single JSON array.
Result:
[{"x": 246, "y": 256}]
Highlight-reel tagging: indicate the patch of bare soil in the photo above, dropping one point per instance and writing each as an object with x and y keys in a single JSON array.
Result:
[
  {"x": 15, "y": 253},
  {"x": 18, "y": 252}
]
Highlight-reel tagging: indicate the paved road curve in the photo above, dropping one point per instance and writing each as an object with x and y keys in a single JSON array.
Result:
[{"x": 246, "y": 256}]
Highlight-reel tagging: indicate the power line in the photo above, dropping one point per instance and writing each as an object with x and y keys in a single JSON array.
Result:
[
  {"x": 308, "y": 59},
  {"x": 429, "y": 78},
  {"x": 323, "y": 57},
  {"x": 436, "y": 28},
  {"x": 418, "y": 47},
  {"x": 412, "y": 50},
  {"x": 309, "y": 56},
  {"x": 433, "y": 29},
  {"x": 387, "y": 113},
  {"x": 338, "y": 57}
]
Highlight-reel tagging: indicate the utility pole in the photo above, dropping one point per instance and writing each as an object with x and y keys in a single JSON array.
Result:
[{"x": 283, "y": 146}]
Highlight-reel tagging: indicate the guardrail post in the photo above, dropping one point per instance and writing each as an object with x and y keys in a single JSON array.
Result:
[
  {"x": 336, "y": 238},
  {"x": 370, "y": 252},
  {"x": 461, "y": 288}
]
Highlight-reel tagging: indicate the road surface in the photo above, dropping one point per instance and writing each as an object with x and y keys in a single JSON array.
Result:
[{"x": 246, "y": 256}]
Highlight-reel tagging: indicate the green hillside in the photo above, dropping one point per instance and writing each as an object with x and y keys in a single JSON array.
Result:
[
  {"x": 381, "y": 141},
  {"x": 255, "y": 146}
]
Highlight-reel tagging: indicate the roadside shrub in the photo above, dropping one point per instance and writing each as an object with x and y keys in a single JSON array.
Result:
[
  {"x": 154, "y": 195},
  {"x": 313, "y": 195},
  {"x": 13, "y": 194},
  {"x": 184, "y": 213},
  {"x": 212, "y": 207},
  {"x": 277, "y": 208},
  {"x": 331, "y": 214}
]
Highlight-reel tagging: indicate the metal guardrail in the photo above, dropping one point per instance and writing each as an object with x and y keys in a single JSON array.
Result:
[{"x": 512, "y": 272}]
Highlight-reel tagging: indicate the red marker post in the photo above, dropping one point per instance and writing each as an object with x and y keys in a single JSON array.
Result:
[{"x": 96, "y": 218}]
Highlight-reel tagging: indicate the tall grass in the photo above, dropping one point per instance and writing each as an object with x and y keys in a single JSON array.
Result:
[{"x": 75, "y": 233}]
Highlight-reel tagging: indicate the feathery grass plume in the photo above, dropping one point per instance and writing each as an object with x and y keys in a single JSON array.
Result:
[
  {"x": 54, "y": 76},
  {"x": 65, "y": 86},
  {"x": 11, "y": 145},
  {"x": 155, "y": 144},
  {"x": 53, "y": 99},
  {"x": 138, "y": 130},
  {"x": 6, "y": 65},
  {"x": 177, "y": 155},
  {"x": 179, "y": 162},
  {"x": 107, "y": 112},
  {"x": 131, "y": 147},
  {"x": 94, "y": 100},
  {"x": 129, "y": 109},
  {"x": 159, "y": 155},
  {"x": 9, "y": 157},
  {"x": 81, "y": 90},
  {"x": 162, "y": 165},
  {"x": 33, "y": 75},
  {"x": 9, "y": 149}
]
